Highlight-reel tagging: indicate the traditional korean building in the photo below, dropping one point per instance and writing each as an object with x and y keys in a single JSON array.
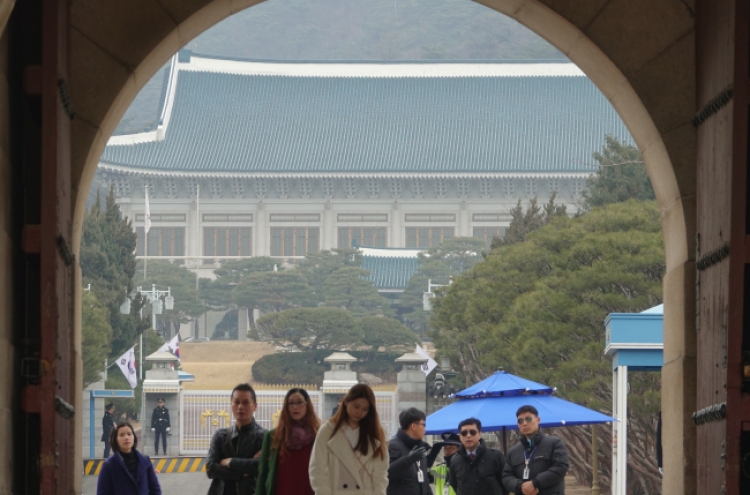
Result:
[{"x": 279, "y": 159}]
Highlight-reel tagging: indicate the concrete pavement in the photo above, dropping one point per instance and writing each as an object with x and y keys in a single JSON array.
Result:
[{"x": 171, "y": 484}]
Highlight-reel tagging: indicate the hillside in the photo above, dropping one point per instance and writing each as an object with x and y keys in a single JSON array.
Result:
[{"x": 220, "y": 365}]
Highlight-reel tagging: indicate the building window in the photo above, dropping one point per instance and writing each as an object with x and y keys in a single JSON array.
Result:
[
  {"x": 427, "y": 237},
  {"x": 489, "y": 233},
  {"x": 227, "y": 241},
  {"x": 294, "y": 241},
  {"x": 362, "y": 236},
  {"x": 162, "y": 241}
]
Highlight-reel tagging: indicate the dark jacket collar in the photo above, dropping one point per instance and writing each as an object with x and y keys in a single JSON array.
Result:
[
  {"x": 533, "y": 441},
  {"x": 479, "y": 450},
  {"x": 236, "y": 431},
  {"x": 408, "y": 441}
]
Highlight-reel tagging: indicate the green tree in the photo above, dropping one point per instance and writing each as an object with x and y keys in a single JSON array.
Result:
[
  {"x": 108, "y": 264},
  {"x": 312, "y": 328},
  {"x": 317, "y": 267},
  {"x": 537, "y": 308},
  {"x": 347, "y": 288},
  {"x": 217, "y": 294},
  {"x": 524, "y": 222},
  {"x": 274, "y": 291},
  {"x": 621, "y": 176},
  {"x": 96, "y": 337},
  {"x": 451, "y": 257},
  {"x": 380, "y": 331}
]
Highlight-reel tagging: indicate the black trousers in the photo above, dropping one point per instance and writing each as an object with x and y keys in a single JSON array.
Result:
[
  {"x": 161, "y": 430},
  {"x": 107, "y": 447}
]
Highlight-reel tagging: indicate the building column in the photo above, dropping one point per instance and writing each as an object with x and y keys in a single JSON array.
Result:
[
  {"x": 396, "y": 238},
  {"x": 262, "y": 245},
  {"x": 464, "y": 220},
  {"x": 328, "y": 236}
]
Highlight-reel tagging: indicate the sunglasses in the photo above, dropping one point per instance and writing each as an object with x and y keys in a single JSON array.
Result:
[
  {"x": 527, "y": 419},
  {"x": 465, "y": 433}
]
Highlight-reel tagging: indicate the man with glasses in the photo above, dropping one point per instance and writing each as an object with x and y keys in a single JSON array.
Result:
[
  {"x": 539, "y": 462},
  {"x": 410, "y": 456},
  {"x": 475, "y": 469}
]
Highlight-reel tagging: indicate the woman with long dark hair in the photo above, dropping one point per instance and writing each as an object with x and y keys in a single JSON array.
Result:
[
  {"x": 349, "y": 455},
  {"x": 286, "y": 449},
  {"x": 127, "y": 472}
]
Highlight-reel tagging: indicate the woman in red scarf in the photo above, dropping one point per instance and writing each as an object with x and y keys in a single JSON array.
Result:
[{"x": 286, "y": 449}]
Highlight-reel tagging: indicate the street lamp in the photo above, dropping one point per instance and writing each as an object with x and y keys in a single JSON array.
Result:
[
  {"x": 154, "y": 297},
  {"x": 429, "y": 295}
]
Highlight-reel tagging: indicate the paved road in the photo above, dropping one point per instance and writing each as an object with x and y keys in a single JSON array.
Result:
[{"x": 171, "y": 484}]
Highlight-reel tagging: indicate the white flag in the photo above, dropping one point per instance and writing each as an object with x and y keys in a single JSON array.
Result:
[
  {"x": 430, "y": 365},
  {"x": 126, "y": 362},
  {"x": 147, "y": 216},
  {"x": 172, "y": 346}
]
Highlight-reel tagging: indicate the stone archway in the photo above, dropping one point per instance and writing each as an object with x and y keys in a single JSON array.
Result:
[{"x": 640, "y": 55}]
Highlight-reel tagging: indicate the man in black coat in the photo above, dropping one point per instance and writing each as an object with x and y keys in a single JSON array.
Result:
[
  {"x": 160, "y": 424},
  {"x": 108, "y": 422},
  {"x": 232, "y": 461},
  {"x": 475, "y": 469},
  {"x": 409, "y": 459},
  {"x": 538, "y": 464}
]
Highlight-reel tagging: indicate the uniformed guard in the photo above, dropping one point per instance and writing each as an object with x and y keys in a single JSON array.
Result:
[
  {"x": 161, "y": 425},
  {"x": 451, "y": 443},
  {"x": 108, "y": 422}
]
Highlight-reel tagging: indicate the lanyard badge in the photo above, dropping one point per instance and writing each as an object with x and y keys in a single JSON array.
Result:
[
  {"x": 526, "y": 472},
  {"x": 420, "y": 474}
]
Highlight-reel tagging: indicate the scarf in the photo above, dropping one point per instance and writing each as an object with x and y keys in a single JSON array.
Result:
[{"x": 302, "y": 435}]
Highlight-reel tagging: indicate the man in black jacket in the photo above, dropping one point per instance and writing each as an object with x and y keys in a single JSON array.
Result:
[
  {"x": 232, "y": 461},
  {"x": 475, "y": 469},
  {"x": 409, "y": 458},
  {"x": 160, "y": 425},
  {"x": 538, "y": 464},
  {"x": 108, "y": 422}
]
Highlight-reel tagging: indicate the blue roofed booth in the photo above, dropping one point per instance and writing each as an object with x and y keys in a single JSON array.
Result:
[{"x": 634, "y": 342}]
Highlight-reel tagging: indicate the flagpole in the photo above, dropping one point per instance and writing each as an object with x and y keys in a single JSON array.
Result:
[{"x": 146, "y": 228}]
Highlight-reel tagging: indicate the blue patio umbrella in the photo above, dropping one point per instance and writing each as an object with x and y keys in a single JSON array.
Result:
[
  {"x": 501, "y": 384},
  {"x": 497, "y": 413},
  {"x": 495, "y": 400}
]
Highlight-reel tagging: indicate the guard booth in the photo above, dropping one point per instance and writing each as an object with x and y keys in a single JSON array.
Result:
[
  {"x": 162, "y": 381},
  {"x": 634, "y": 342}
]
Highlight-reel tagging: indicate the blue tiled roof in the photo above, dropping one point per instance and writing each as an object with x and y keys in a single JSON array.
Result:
[
  {"x": 390, "y": 273},
  {"x": 291, "y": 124}
]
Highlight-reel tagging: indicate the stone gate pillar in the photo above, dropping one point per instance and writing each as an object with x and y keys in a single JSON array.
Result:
[
  {"x": 337, "y": 381},
  {"x": 412, "y": 382}
]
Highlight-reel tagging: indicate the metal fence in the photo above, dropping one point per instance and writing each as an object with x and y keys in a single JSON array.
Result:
[{"x": 204, "y": 412}]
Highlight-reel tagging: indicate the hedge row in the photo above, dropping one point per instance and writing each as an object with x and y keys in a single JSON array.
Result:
[{"x": 308, "y": 367}]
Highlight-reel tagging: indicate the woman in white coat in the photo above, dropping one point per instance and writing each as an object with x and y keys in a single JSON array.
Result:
[{"x": 349, "y": 455}]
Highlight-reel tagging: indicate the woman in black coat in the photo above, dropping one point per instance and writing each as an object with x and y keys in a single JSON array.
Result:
[{"x": 127, "y": 472}]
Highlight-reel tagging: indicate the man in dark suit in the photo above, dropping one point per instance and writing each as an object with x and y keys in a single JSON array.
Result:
[
  {"x": 108, "y": 422},
  {"x": 161, "y": 425}
]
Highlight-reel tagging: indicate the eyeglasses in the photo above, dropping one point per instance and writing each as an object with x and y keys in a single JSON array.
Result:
[
  {"x": 465, "y": 433},
  {"x": 528, "y": 419},
  {"x": 421, "y": 424},
  {"x": 296, "y": 404}
]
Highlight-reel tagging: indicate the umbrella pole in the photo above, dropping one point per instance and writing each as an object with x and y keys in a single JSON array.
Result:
[
  {"x": 505, "y": 443},
  {"x": 595, "y": 490}
]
